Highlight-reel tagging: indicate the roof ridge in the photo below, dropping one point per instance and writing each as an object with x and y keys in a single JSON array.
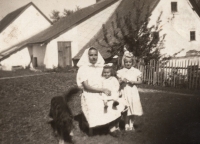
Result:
[
  {"x": 124, "y": 8},
  {"x": 60, "y": 27},
  {"x": 195, "y": 6}
]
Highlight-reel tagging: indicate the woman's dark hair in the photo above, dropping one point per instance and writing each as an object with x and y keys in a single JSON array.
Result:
[{"x": 113, "y": 73}]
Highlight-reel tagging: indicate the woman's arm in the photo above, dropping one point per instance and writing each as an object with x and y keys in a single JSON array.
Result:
[{"x": 95, "y": 90}]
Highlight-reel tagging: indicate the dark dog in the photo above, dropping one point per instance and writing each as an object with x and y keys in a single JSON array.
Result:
[{"x": 62, "y": 115}]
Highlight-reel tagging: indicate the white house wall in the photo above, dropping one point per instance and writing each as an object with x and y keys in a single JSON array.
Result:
[
  {"x": 79, "y": 36},
  {"x": 20, "y": 58},
  {"x": 29, "y": 23},
  {"x": 177, "y": 26}
]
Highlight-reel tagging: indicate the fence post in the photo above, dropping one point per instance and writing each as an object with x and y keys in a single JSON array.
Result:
[
  {"x": 190, "y": 74},
  {"x": 157, "y": 70},
  {"x": 151, "y": 72},
  {"x": 193, "y": 75},
  {"x": 148, "y": 73},
  {"x": 172, "y": 76},
  {"x": 197, "y": 75},
  {"x": 164, "y": 75},
  {"x": 175, "y": 73}
]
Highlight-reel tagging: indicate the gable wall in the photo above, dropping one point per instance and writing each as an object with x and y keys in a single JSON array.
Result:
[
  {"x": 177, "y": 26},
  {"x": 29, "y": 23}
]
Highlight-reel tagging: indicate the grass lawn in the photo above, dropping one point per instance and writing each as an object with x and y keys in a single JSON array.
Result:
[
  {"x": 170, "y": 115},
  {"x": 21, "y": 72}
]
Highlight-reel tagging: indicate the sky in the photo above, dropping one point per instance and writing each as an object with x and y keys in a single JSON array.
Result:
[{"x": 46, "y": 6}]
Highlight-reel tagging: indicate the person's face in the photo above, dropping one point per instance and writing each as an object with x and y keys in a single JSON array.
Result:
[
  {"x": 128, "y": 63},
  {"x": 93, "y": 55},
  {"x": 106, "y": 73}
]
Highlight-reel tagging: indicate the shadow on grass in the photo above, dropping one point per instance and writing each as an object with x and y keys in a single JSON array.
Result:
[
  {"x": 83, "y": 125},
  {"x": 176, "y": 121}
]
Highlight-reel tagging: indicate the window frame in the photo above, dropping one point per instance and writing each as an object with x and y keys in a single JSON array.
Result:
[
  {"x": 192, "y": 35},
  {"x": 174, "y": 7},
  {"x": 156, "y": 36}
]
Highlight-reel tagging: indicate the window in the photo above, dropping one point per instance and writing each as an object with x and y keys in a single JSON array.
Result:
[
  {"x": 156, "y": 37},
  {"x": 174, "y": 6},
  {"x": 192, "y": 35}
]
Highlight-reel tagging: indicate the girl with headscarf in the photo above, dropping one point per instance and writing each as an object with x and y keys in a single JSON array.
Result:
[
  {"x": 89, "y": 78},
  {"x": 129, "y": 77}
]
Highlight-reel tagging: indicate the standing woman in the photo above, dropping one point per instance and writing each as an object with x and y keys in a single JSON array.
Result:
[{"x": 89, "y": 78}]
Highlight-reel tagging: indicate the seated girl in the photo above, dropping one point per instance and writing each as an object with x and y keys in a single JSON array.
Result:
[{"x": 110, "y": 82}]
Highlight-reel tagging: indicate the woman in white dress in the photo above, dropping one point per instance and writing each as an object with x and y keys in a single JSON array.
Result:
[{"x": 89, "y": 78}]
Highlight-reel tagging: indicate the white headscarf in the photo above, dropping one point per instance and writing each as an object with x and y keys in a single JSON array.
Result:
[{"x": 84, "y": 60}]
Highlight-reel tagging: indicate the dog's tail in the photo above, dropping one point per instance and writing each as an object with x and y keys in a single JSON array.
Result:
[{"x": 72, "y": 91}]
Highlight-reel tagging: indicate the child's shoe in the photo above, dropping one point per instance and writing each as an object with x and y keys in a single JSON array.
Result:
[
  {"x": 127, "y": 128},
  {"x": 131, "y": 125},
  {"x": 115, "y": 133},
  {"x": 131, "y": 128}
]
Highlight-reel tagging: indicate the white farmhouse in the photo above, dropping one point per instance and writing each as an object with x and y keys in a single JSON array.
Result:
[
  {"x": 58, "y": 44},
  {"x": 16, "y": 27},
  {"x": 66, "y": 40},
  {"x": 180, "y": 21}
]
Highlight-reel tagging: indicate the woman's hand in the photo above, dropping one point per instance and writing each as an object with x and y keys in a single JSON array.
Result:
[
  {"x": 107, "y": 92},
  {"x": 130, "y": 83},
  {"x": 120, "y": 80}
]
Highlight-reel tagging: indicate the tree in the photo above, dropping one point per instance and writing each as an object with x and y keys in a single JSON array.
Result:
[
  {"x": 69, "y": 12},
  {"x": 133, "y": 31},
  {"x": 55, "y": 16}
]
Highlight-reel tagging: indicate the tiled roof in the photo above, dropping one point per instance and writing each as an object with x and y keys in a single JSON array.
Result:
[
  {"x": 124, "y": 8},
  {"x": 61, "y": 26},
  {"x": 196, "y": 6},
  {"x": 9, "y": 18}
]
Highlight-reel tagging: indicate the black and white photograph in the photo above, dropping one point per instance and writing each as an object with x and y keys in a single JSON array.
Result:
[{"x": 99, "y": 71}]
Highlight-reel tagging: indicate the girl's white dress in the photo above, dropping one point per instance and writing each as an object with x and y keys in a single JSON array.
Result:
[
  {"x": 130, "y": 93},
  {"x": 92, "y": 103},
  {"x": 111, "y": 84}
]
